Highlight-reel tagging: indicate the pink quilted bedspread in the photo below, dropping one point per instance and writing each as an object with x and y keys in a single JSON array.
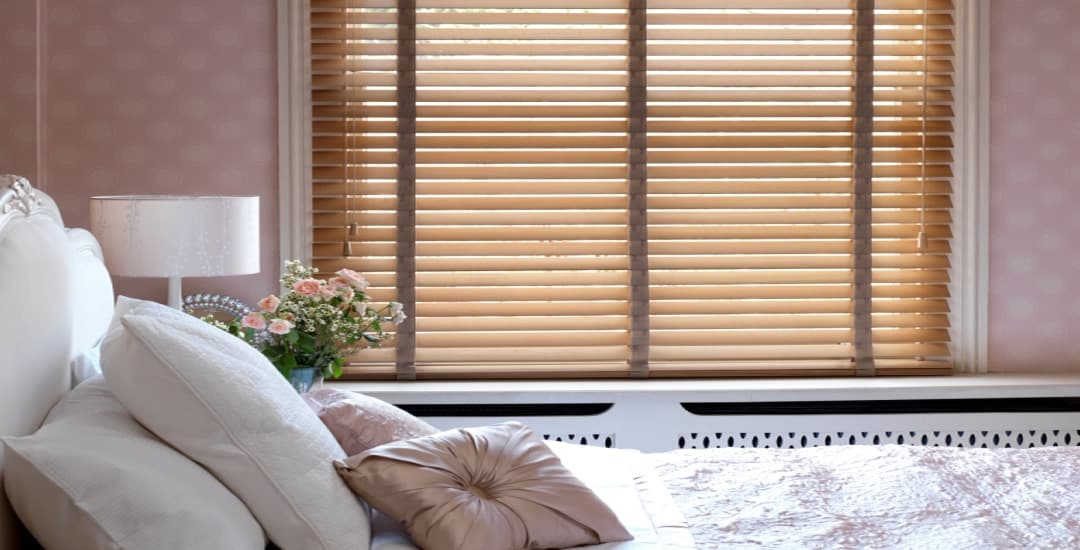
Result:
[{"x": 877, "y": 497}]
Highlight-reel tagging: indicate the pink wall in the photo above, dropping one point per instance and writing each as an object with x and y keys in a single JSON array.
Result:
[
  {"x": 157, "y": 96},
  {"x": 18, "y": 88},
  {"x": 1035, "y": 186}
]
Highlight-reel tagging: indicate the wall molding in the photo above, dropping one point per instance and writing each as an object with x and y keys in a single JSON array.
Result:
[
  {"x": 970, "y": 287},
  {"x": 294, "y": 131}
]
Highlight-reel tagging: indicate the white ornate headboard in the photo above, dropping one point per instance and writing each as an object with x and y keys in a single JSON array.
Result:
[{"x": 55, "y": 301}]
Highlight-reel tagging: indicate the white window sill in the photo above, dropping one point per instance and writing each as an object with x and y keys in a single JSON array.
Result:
[{"x": 973, "y": 386}]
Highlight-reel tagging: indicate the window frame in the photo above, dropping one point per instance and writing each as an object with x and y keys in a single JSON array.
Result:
[{"x": 969, "y": 286}]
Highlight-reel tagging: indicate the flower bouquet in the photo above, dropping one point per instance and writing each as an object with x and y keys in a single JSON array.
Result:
[{"x": 316, "y": 323}]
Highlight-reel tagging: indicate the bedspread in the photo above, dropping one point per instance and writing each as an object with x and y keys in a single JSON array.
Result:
[{"x": 877, "y": 497}]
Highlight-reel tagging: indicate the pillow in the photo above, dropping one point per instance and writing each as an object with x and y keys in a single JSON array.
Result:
[
  {"x": 492, "y": 487},
  {"x": 91, "y": 477},
  {"x": 219, "y": 401},
  {"x": 86, "y": 365},
  {"x": 360, "y": 422}
]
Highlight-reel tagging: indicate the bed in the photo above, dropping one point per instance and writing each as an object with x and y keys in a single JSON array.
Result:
[
  {"x": 58, "y": 302},
  {"x": 826, "y": 497}
]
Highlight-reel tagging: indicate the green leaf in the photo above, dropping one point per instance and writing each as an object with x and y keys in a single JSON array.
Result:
[
  {"x": 289, "y": 362},
  {"x": 274, "y": 352},
  {"x": 307, "y": 345}
]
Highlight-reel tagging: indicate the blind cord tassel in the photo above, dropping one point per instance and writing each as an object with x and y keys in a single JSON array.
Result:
[
  {"x": 923, "y": 242},
  {"x": 350, "y": 232}
]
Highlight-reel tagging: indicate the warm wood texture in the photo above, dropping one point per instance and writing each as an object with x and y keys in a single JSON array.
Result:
[{"x": 617, "y": 188}]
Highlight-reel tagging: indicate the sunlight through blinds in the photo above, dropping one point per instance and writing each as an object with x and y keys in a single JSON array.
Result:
[{"x": 652, "y": 188}]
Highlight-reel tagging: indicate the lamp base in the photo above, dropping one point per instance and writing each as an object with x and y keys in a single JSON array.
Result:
[{"x": 174, "y": 293}]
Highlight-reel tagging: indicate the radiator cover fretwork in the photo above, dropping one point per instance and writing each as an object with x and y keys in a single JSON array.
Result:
[
  {"x": 985, "y": 439},
  {"x": 592, "y": 440}
]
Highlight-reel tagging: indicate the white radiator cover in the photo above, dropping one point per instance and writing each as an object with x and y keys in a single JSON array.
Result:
[
  {"x": 649, "y": 415},
  {"x": 675, "y": 430}
]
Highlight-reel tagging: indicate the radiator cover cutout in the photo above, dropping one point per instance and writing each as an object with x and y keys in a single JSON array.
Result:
[
  {"x": 983, "y": 439},
  {"x": 588, "y": 439}
]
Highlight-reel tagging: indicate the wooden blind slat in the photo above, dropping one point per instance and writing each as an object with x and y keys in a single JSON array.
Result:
[{"x": 613, "y": 188}]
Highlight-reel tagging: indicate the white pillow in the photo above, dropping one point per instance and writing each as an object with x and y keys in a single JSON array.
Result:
[
  {"x": 219, "y": 401},
  {"x": 92, "y": 478},
  {"x": 85, "y": 366}
]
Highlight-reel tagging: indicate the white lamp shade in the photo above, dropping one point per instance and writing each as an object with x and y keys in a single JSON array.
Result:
[{"x": 177, "y": 236}]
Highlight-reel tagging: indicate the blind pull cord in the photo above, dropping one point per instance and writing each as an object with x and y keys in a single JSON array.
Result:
[
  {"x": 922, "y": 242},
  {"x": 350, "y": 228}
]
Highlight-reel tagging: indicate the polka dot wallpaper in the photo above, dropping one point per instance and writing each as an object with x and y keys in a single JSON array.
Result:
[
  {"x": 1035, "y": 186},
  {"x": 158, "y": 96}
]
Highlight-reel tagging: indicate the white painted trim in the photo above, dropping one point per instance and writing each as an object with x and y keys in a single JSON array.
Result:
[
  {"x": 649, "y": 415},
  {"x": 726, "y": 390},
  {"x": 971, "y": 193},
  {"x": 294, "y": 131}
]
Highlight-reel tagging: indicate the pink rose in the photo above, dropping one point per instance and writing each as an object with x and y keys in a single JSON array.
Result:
[
  {"x": 253, "y": 320},
  {"x": 280, "y": 326},
  {"x": 347, "y": 294},
  {"x": 327, "y": 292},
  {"x": 337, "y": 282},
  {"x": 306, "y": 287},
  {"x": 353, "y": 278},
  {"x": 270, "y": 303}
]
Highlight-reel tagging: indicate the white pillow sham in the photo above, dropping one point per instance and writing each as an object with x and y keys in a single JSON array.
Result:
[
  {"x": 93, "y": 478},
  {"x": 85, "y": 366},
  {"x": 219, "y": 401}
]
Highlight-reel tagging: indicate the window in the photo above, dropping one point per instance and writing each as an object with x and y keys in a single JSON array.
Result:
[{"x": 616, "y": 188}]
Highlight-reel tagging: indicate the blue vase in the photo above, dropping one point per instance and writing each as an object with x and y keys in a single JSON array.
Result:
[{"x": 304, "y": 379}]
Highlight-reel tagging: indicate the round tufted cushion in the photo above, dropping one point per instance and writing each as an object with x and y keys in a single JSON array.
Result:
[{"x": 493, "y": 487}]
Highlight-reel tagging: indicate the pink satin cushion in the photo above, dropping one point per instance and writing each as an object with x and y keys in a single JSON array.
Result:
[
  {"x": 360, "y": 422},
  {"x": 488, "y": 488}
]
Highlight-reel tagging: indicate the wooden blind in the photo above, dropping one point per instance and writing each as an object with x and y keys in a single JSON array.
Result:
[{"x": 610, "y": 188}]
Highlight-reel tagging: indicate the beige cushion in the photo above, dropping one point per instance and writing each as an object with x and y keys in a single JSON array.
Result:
[
  {"x": 493, "y": 487},
  {"x": 360, "y": 422},
  {"x": 219, "y": 401},
  {"x": 93, "y": 478}
]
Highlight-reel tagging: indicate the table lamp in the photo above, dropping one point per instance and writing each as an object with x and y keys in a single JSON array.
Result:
[{"x": 177, "y": 236}]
